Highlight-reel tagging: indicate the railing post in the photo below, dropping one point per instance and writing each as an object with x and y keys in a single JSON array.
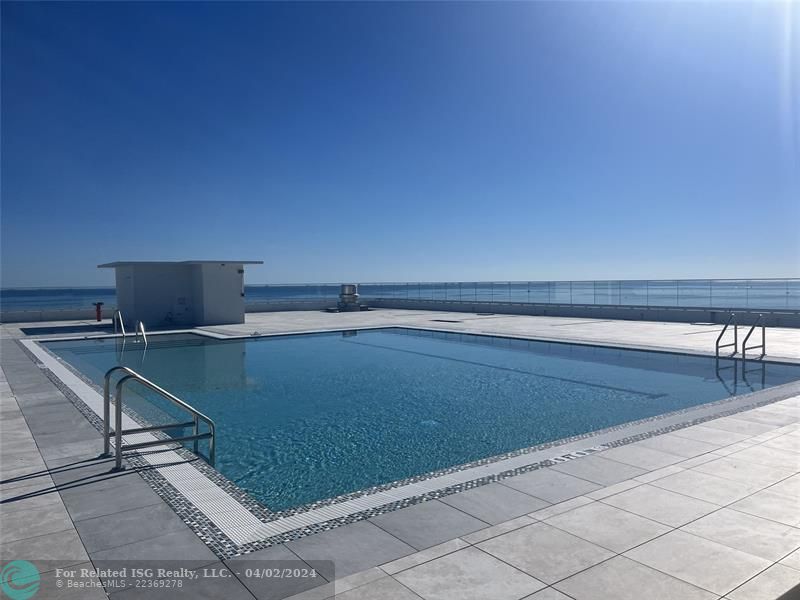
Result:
[
  {"x": 106, "y": 417},
  {"x": 118, "y": 425},
  {"x": 212, "y": 444},
  {"x": 196, "y": 431}
]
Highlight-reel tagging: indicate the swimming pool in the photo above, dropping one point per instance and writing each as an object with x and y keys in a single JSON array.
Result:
[{"x": 306, "y": 417}]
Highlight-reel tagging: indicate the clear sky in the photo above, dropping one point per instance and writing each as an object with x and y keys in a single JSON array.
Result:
[{"x": 409, "y": 141}]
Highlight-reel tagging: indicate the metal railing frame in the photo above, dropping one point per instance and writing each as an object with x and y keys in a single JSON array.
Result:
[
  {"x": 118, "y": 432},
  {"x": 735, "y": 343},
  {"x": 140, "y": 330},
  {"x": 762, "y": 345},
  {"x": 117, "y": 319},
  {"x": 712, "y": 294}
]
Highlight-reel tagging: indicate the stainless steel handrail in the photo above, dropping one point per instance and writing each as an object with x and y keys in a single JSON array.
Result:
[
  {"x": 118, "y": 432},
  {"x": 117, "y": 318},
  {"x": 735, "y": 343},
  {"x": 762, "y": 345},
  {"x": 140, "y": 329}
]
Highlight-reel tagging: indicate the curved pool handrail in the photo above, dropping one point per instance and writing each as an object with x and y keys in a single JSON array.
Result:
[{"x": 118, "y": 432}]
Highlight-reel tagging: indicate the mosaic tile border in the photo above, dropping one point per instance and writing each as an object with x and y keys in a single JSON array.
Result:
[{"x": 223, "y": 547}]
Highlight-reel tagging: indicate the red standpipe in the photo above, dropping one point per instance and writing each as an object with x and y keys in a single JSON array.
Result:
[{"x": 98, "y": 309}]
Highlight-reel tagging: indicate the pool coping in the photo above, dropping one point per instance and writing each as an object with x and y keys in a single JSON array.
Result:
[{"x": 386, "y": 498}]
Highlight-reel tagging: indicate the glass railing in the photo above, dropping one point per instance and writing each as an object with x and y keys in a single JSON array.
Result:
[
  {"x": 700, "y": 293},
  {"x": 255, "y": 294},
  {"x": 766, "y": 294}
]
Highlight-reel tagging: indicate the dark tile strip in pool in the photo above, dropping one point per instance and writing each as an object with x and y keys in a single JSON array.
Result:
[{"x": 224, "y": 547}]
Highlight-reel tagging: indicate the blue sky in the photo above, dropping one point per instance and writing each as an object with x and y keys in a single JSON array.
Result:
[{"x": 394, "y": 142}]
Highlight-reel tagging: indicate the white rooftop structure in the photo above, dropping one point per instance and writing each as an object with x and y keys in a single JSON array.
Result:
[{"x": 186, "y": 293}]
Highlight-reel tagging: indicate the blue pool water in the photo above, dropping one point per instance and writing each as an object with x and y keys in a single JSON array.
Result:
[{"x": 305, "y": 417}]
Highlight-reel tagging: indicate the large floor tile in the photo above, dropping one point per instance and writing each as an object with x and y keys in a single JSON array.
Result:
[
  {"x": 545, "y": 552},
  {"x": 118, "y": 529},
  {"x": 427, "y": 524},
  {"x": 53, "y": 585},
  {"x": 681, "y": 446},
  {"x": 35, "y": 522},
  {"x": 766, "y": 416},
  {"x": 792, "y": 560},
  {"x": 641, "y": 456},
  {"x": 183, "y": 545},
  {"x": 747, "y": 533},
  {"x": 741, "y": 426},
  {"x": 607, "y": 526},
  {"x": 280, "y": 559},
  {"x": 704, "y": 486},
  {"x": 18, "y": 460},
  {"x": 202, "y": 588},
  {"x": 85, "y": 502},
  {"x": 599, "y": 470},
  {"x": 549, "y": 485},
  {"x": 663, "y": 506},
  {"x": 494, "y": 503},
  {"x": 54, "y": 550},
  {"x": 385, "y": 588},
  {"x": 352, "y": 548},
  {"x": 62, "y": 449},
  {"x": 548, "y": 594},
  {"x": 21, "y": 501},
  {"x": 745, "y": 471},
  {"x": 562, "y": 507},
  {"x": 623, "y": 579},
  {"x": 769, "y": 585},
  {"x": 769, "y": 505},
  {"x": 423, "y": 556},
  {"x": 787, "y": 443},
  {"x": 710, "y": 435},
  {"x": 764, "y": 455},
  {"x": 703, "y": 563},
  {"x": 469, "y": 574},
  {"x": 789, "y": 487}
]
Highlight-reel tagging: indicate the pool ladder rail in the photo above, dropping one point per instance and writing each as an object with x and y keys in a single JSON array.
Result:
[
  {"x": 732, "y": 319},
  {"x": 762, "y": 345},
  {"x": 735, "y": 344},
  {"x": 119, "y": 327},
  {"x": 118, "y": 432}
]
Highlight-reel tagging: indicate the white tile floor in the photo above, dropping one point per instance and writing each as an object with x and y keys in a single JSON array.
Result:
[{"x": 727, "y": 527}]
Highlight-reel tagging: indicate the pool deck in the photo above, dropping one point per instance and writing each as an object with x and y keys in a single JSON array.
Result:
[{"x": 706, "y": 511}]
